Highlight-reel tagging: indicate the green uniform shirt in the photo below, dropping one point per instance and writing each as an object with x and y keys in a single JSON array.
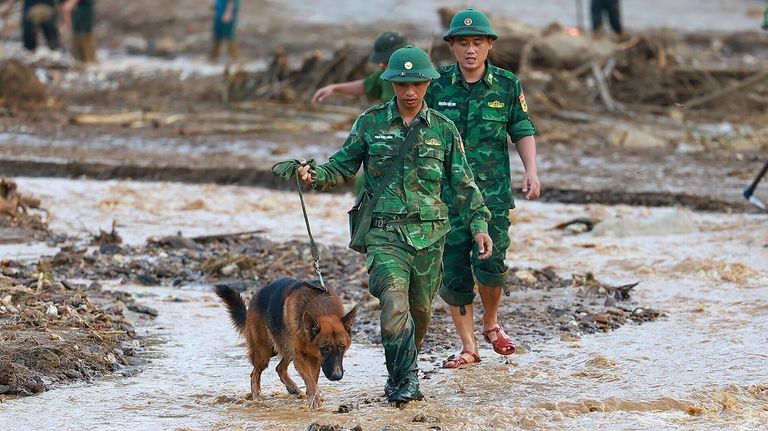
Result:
[
  {"x": 435, "y": 160},
  {"x": 376, "y": 88},
  {"x": 485, "y": 112}
]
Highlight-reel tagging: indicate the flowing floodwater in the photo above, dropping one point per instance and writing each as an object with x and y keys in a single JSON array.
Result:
[{"x": 702, "y": 368}]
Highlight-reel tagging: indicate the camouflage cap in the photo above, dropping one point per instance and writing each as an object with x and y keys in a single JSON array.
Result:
[
  {"x": 385, "y": 45},
  {"x": 410, "y": 64},
  {"x": 470, "y": 22}
]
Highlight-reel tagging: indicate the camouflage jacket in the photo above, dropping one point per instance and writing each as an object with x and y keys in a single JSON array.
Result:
[
  {"x": 376, "y": 88},
  {"x": 485, "y": 112},
  {"x": 435, "y": 160}
]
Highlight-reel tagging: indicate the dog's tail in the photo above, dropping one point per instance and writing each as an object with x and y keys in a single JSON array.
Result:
[{"x": 235, "y": 305}]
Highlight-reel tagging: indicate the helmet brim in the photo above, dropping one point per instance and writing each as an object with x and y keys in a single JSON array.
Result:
[
  {"x": 470, "y": 31},
  {"x": 381, "y": 57},
  {"x": 414, "y": 76}
]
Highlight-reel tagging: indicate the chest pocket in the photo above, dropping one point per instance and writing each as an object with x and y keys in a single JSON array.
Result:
[
  {"x": 495, "y": 122},
  {"x": 380, "y": 155},
  {"x": 430, "y": 162}
]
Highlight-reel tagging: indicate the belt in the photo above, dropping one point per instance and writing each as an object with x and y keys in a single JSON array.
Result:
[{"x": 381, "y": 222}]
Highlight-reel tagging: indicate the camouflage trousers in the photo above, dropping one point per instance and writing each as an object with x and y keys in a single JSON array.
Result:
[
  {"x": 461, "y": 263},
  {"x": 405, "y": 281}
]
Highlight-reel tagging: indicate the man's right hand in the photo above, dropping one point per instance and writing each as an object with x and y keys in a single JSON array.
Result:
[
  {"x": 322, "y": 93},
  {"x": 305, "y": 174}
]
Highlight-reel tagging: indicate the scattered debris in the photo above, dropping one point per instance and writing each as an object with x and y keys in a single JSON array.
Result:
[
  {"x": 54, "y": 333},
  {"x": 17, "y": 222}
]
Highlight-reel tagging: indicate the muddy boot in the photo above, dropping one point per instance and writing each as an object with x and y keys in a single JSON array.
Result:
[
  {"x": 406, "y": 392},
  {"x": 213, "y": 54},
  {"x": 233, "y": 50},
  {"x": 89, "y": 48},
  {"x": 78, "y": 47},
  {"x": 389, "y": 387}
]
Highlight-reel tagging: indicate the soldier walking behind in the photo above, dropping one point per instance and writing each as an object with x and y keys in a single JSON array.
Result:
[
  {"x": 486, "y": 103},
  {"x": 372, "y": 86},
  {"x": 410, "y": 219}
]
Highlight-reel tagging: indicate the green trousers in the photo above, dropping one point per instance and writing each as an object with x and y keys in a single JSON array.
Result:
[{"x": 405, "y": 281}]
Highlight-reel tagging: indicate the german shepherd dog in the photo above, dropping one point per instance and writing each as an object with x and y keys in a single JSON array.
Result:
[{"x": 298, "y": 322}]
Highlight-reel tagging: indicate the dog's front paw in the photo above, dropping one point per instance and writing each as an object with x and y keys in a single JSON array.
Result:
[
  {"x": 315, "y": 401},
  {"x": 293, "y": 389}
]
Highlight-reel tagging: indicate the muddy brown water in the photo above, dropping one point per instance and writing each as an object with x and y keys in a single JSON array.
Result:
[{"x": 701, "y": 368}]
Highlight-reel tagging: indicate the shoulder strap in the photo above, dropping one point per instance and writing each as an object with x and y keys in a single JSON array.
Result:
[{"x": 392, "y": 167}]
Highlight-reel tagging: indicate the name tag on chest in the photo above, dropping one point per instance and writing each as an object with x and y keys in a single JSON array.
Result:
[
  {"x": 446, "y": 103},
  {"x": 384, "y": 137}
]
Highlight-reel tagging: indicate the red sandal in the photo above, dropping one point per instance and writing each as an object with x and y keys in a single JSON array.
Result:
[
  {"x": 459, "y": 361},
  {"x": 502, "y": 344}
]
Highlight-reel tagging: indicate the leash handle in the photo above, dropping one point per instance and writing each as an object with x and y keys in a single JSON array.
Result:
[{"x": 312, "y": 244}]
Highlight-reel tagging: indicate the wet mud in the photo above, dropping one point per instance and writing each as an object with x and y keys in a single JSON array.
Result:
[
  {"x": 55, "y": 331},
  {"x": 555, "y": 307}
]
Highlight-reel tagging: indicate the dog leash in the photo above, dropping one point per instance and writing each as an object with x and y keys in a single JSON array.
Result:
[{"x": 312, "y": 244}]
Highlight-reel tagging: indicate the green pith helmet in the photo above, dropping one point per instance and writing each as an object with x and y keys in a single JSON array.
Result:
[
  {"x": 410, "y": 64},
  {"x": 470, "y": 22},
  {"x": 385, "y": 45}
]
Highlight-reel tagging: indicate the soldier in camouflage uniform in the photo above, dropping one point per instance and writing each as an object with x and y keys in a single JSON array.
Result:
[
  {"x": 372, "y": 85},
  {"x": 486, "y": 103},
  {"x": 406, "y": 240}
]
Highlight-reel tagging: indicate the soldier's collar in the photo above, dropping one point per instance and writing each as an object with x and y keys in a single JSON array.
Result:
[
  {"x": 456, "y": 75},
  {"x": 393, "y": 113}
]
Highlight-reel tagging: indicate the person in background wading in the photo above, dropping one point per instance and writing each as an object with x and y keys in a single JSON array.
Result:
[
  {"x": 37, "y": 15},
  {"x": 412, "y": 154},
  {"x": 79, "y": 16},
  {"x": 224, "y": 23},
  {"x": 612, "y": 8},
  {"x": 487, "y": 105}
]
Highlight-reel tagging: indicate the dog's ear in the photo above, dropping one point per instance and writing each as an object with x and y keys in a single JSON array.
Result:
[
  {"x": 349, "y": 318},
  {"x": 310, "y": 324}
]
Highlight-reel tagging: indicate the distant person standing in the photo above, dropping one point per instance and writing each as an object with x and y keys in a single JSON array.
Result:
[
  {"x": 765, "y": 19},
  {"x": 37, "y": 15},
  {"x": 611, "y": 8},
  {"x": 79, "y": 15},
  {"x": 224, "y": 22}
]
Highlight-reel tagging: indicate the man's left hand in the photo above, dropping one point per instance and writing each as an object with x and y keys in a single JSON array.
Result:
[
  {"x": 484, "y": 245},
  {"x": 531, "y": 185}
]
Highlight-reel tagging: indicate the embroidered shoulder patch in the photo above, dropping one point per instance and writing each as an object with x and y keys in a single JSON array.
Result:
[
  {"x": 432, "y": 141},
  {"x": 523, "y": 103}
]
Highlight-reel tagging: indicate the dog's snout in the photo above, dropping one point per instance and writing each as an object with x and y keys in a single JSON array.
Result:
[
  {"x": 333, "y": 370},
  {"x": 336, "y": 374}
]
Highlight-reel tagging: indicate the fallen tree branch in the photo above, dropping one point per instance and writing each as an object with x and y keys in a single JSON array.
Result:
[{"x": 742, "y": 85}]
